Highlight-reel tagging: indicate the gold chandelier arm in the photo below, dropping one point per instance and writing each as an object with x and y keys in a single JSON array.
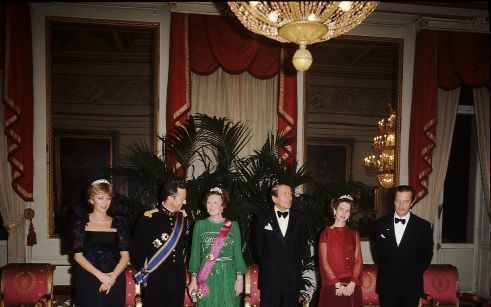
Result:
[
  {"x": 295, "y": 10},
  {"x": 328, "y": 13},
  {"x": 255, "y": 13}
]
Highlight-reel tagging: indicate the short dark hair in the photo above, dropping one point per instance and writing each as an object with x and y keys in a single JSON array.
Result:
[
  {"x": 276, "y": 186},
  {"x": 405, "y": 188},
  {"x": 170, "y": 189}
]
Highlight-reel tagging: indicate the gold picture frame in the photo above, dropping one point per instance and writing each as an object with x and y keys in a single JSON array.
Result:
[
  {"x": 330, "y": 158},
  {"x": 80, "y": 158}
]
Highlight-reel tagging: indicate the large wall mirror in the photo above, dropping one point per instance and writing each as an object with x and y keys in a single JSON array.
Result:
[
  {"x": 351, "y": 85},
  {"x": 102, "y": 95}
]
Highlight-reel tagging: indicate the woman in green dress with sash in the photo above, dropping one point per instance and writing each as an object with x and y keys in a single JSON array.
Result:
[{"x": 216, "y": 265}]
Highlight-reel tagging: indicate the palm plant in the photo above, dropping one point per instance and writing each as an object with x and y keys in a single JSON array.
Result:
[
  {"x": 213, "y": 145},
  {"x": 205, "y": 152}
]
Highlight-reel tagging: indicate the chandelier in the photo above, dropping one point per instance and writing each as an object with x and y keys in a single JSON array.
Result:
[
  {"x": 302, "y": 22},
  {"x": 381, "y": 165}
]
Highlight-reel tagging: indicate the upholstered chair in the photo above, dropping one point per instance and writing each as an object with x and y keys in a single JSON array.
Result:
[{"x": 27, "y": 284}]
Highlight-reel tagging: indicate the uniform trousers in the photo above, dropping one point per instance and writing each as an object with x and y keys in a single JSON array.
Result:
[{"x": 157, "y": 298}]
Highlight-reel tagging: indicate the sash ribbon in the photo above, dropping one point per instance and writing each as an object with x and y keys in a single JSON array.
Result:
[
  {"x": 211, "y": 258},
  {"x": 162, "y": 253}
]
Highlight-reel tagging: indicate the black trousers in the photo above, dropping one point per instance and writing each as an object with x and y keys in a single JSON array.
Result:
[
  {"x": 398, "y": 300},
  {"x": 155, "y": 298},
  {"x": 279, "y": 299}
]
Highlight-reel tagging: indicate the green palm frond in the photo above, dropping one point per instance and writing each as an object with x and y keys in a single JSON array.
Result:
[
  {"x": 224, "y": 138},
  {"x": 182, "y": 144},
  {"x": 139, "y": 165}
]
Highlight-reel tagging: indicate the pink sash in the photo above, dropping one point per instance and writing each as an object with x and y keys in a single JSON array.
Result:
[{"x": 211, "y": 258}]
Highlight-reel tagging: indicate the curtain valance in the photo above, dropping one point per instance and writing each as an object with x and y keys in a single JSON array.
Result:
[{"x": 442, "y": 59}]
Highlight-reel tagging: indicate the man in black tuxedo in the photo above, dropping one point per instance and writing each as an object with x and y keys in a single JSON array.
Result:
[
  {"x": 281, "y": 235},
  {"x": 404, "y": 248}
]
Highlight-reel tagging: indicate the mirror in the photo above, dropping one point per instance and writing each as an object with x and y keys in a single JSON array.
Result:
[
  {"x": 347, "y": 90},
  {"x": 102, "y": 94}
]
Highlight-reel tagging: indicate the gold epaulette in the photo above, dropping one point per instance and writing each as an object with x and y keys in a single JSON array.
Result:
[
  {"x": 184, "y": 213},
  {"x": 150, "y": 212}
]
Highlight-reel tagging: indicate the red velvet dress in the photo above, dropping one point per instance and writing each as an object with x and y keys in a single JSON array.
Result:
[{"x": 340, "y": 260}]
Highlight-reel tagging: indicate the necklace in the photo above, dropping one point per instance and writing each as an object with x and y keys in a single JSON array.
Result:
[
  {"x": 216, "y": 222},
  {"x": 101, "y": 222}
]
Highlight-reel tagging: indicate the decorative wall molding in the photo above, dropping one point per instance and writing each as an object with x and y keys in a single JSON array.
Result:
[
  {"x": 476, "y": 24},
  {"x": 134, "y": 90},
  {"x": 348, "y": 100}
]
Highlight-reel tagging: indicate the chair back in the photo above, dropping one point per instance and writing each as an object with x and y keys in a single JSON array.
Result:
[
  {"x": 188, "y": 302},
  {"x": 132, "y": 288},
  {"x": 252, "y": 297},
  {"x": 26, "y": 283},
  {"x": 441, "y": 283},
  {"x": 368, "y": 284}
]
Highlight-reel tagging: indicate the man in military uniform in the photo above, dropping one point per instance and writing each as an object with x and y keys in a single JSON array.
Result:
[{"x": 160, "y": 239}]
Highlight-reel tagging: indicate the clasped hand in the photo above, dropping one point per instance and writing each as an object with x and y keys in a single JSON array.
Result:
[
  {"x": 346, "y": 290},
  {"x": 107, "y": 281}
]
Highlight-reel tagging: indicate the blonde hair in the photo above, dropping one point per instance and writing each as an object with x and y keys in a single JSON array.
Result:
[{"x": 103, "y": 187}]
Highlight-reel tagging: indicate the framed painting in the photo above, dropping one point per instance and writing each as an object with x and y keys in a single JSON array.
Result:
[
  {"x": 80, "y": 158},
  {"x": 330, "y": 158}
]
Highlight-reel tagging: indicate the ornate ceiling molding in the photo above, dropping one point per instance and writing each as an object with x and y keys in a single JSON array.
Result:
[{"x": 476, "y": 24}]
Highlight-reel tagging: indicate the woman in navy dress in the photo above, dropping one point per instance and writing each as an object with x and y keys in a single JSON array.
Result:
[{"x": 101, "y": 251}]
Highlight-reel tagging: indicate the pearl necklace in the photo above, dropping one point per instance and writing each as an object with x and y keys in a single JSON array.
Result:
[
  {"x": 101, "y": 222},
  {"x": 216, "y": 222}
]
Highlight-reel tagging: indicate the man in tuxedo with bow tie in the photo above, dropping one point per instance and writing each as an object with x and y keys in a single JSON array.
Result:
[
  {"x": 280, "y": 235},
  {"x": 404, "y": 248}
]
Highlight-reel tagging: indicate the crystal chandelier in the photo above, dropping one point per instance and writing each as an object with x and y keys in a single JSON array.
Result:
[
  {"x": 381, "y": 164},
  {"x": 302, "y": 22}
]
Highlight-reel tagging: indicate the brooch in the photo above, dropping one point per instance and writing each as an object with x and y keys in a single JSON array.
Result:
[
  {"x": 228, "y": 223},
  {"x": 157, "y": 243},
  {"x": 164, "y": 237},
  {"x": 210, "y": 257}
]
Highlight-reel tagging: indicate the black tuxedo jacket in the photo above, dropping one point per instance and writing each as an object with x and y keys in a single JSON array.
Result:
[
  {"x": 401, "y": 268},
  {"x": 280, "y": 258}
]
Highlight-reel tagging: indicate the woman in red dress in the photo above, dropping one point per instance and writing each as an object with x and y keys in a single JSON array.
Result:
[{"x": 340, "y": 259}]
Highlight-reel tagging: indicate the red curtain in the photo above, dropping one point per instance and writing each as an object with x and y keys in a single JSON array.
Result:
[
  {"x": 447, "y": 60},
  {"x": 178, "y": 97},
  {"x": 220, "y": 41},
  {"x": 18, "y": 97},
  {"x": 463, "y": 58}
]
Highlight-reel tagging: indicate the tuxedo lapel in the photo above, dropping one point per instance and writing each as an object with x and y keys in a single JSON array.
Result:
[
  {"x": 390, "y": 231},
  {"x": 408, "y": 231},
  {"x": 291, "y": 224}
]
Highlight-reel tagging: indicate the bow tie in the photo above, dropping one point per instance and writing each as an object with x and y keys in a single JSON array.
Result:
[
  {"x": 403, "y": 221},
  {"x": 282, "y": 214}
]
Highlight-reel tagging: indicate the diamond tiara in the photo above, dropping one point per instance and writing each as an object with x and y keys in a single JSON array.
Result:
[
  {"x": 347, "y": 196},
  {"x": 100, "y": 181},
  {"x": 216, "y": 189}
]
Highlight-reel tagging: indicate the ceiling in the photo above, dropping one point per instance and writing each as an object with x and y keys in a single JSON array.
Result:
[{"x": 81, "y": 44}]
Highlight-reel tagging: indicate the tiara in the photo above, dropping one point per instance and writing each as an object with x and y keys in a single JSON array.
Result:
[
  {"x": 347, "y": 196},
  {"x": 216, "y": 189},
  {"x": 98, "y": 181}
]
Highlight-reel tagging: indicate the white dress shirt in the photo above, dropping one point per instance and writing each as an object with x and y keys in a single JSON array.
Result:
[
  {"x": 399, "y": 228},
  {"x": 282, "y": 221}
]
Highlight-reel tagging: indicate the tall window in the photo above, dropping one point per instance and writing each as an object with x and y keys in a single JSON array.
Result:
[{"x": 461, "y": 179}]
